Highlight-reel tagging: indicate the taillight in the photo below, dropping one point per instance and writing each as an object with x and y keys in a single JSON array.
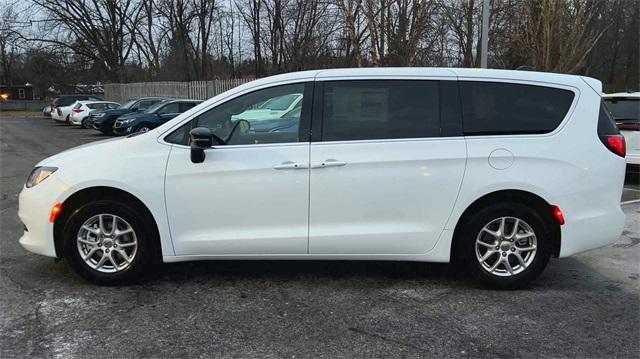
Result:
[
  {"x": 616, "y": 144},
  {"x": 55, "y": 105},
  {"x": 78, "y": 110},
  {"x": 610, "y": 134}
]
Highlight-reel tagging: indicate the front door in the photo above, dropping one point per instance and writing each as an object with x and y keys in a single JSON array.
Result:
[
  {"x": 388, "y": 166},
  {"x": 250, "y": 195}
]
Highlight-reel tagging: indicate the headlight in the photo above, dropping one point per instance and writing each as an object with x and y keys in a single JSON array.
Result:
[
  {"x": 125, "y": 122},
  {"x": 39, "y": 174},
  {"x": 99, "y": 115}
]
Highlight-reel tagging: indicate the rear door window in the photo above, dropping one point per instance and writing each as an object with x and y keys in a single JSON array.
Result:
[
  {"x": 497, "y": 108},
  {"x": 144, "y": 104},
  {"x": 173, "y": 107},
  {"x": 380, "y": 109},
  {"x": 184, "y": 106}
]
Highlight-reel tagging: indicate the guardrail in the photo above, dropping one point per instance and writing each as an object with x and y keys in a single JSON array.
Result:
[{"x": 199, "y": 90}]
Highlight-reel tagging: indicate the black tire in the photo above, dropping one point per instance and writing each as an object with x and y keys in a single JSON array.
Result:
[
  {"x": 147, "y": 254},
  {"x": 66, "y": 120},
  {"x": 83, "y": 123},
  {"x": 467, "y": 246},
  {"x": 143, "y": 128}
]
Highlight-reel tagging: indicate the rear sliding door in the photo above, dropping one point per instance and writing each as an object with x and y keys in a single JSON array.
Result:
[{"x": 386, "y": 165}]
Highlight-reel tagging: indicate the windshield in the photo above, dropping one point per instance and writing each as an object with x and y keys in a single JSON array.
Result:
[
  {"x": 128, "y": 104},
  {"x": 625, "y": 110},
  {"x": 153, "y": 108},
  {"x": 280, "y": 103}
]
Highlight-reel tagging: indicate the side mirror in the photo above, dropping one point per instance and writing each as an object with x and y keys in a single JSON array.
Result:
[
  {"x": 134, "y": 109},
  {"x": 201, "y": 139}
]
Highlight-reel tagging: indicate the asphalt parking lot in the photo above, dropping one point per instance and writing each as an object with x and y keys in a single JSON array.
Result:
[{"x": 587, "y": 306}]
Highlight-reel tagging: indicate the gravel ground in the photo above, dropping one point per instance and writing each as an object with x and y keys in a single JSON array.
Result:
[{"x": 586, "y": 306}]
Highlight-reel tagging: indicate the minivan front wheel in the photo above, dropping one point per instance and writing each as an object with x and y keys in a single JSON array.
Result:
[
  {"x": 108, "y": 242},
  {"x": 506, "y": 245}
]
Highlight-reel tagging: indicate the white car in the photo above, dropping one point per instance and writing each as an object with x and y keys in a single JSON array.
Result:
[
  {"x": 61, "y": 105},
  {"x": 485, "y": 168},
  {"x": 81, "y": 109},
  {"x": 271, "y": 109},
  {"x": 625, "y": 109}
]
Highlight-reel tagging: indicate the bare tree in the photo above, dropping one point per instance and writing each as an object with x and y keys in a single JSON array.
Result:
[
  {"x": 251, "y": 16},
  {"x": 558, "y": 36},
  {"x": 9, "y": 38},
  {"x": 101, "y": 26}
]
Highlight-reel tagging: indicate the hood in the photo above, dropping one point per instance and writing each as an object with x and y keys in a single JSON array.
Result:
[
  {"x": 92, "y": 153},
  {"x": 136, "y": 115},
  {"x": 115, "y": 111},
  {"x": 71, "y": 153}
]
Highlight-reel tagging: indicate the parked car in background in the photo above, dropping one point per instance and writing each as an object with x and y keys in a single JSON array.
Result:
[
  {"x": 153, "y": 117},
  {"x": 477, "y": 168},
  {"x": 286, "y": 123},
  {"x": 271, "y": 109},
  {"x": 103, "y": 120},
  {"x": 46, "y": 111},
  {"x": 81, "y": 110},
  {"x": 625, "y": 109},
  {"x": 61, "y": 105}
]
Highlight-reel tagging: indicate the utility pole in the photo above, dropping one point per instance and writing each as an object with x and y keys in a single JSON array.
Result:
[{"x": 484, "y": 38}]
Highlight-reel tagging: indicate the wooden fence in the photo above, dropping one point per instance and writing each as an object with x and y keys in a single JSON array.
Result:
[{"x": 199, "y": 90}]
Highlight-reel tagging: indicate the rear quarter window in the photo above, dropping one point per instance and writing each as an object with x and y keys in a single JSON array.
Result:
[{"x": 497, "y": 108}]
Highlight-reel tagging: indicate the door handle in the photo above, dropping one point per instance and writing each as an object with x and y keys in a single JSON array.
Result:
[
  {"x": 288, "y": 165},
  {"x": 329, "y": 163}
]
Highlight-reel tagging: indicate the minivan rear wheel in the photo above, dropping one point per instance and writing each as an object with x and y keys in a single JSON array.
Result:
[
  {"x": 506, "y": 245},
  {"x": 109, "y": 242}
]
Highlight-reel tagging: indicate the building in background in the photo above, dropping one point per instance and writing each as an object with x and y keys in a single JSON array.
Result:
[{"x": 17, "y": 92}]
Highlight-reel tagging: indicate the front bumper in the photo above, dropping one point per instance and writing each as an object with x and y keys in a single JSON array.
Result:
[
  {"x": 122, "y": 129},
  {"x": 34, "y": 208},
  {"x": 102, "y": 125}
]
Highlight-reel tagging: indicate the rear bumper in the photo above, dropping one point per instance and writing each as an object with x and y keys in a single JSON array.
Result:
[
  {"x": 633, "y": 160},
  {"x": 591, "y": 231}
]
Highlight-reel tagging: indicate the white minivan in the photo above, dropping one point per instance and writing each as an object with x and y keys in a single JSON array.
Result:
[{"x": 495, "y": 170}]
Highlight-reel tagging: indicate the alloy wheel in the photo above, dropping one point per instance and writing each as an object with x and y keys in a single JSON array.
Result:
[
  {"x": 506, "y": 246},
  {"x": 107, "y": 243}
]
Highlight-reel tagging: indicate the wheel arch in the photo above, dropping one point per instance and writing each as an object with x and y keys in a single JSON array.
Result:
[
  {"x": 526, "y": 198},
  {"x": 74, "y": 202}
]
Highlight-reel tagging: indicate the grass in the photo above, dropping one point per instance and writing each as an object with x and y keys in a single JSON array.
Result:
[{"x": 14, "y": 114}]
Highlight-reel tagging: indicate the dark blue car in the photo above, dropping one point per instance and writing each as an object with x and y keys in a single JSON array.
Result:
[
  {"x": 153, "y": 117},
  {"x": 103, "y": 120}
]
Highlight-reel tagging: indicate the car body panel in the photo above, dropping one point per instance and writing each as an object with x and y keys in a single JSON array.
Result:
[
  {"x": 239, "y": 182},
  {"x": 139, "y": 170}
]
